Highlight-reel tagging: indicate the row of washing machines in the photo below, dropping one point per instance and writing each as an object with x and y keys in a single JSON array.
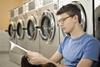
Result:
[{"x": 34, "y": 25}]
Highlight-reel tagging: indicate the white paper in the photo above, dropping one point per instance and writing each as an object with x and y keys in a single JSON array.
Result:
[{"x": 15, "y": 45}]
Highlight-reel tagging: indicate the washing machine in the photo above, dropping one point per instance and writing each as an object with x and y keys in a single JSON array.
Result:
[
  {"x": 97, "y": 19},
  {"x": 12, "y": 26},
  {"x": 86, "y": 7},
  {"x": 12, "y": 31},
  {"x": 20, "y": 33},
  {"x": 49, "y": 31},
  {"x": 13, "y": 54},
  {"x": 16, "y": 54},
  {"x": 32, "y": 35}
]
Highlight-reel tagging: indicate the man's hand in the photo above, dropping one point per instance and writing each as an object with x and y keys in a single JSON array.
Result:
[{"x": 36, "y": 58}]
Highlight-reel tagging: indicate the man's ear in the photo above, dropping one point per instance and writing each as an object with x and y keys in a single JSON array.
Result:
[{"x": 75, "y": 18}]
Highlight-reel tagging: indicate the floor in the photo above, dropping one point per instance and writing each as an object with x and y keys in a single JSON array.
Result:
[
  {"x": 5, "y": 61},
  {"x": 4, "y": 51}
]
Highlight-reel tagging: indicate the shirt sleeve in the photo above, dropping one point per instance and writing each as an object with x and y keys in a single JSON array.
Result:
[
  {"x": 92, "y": 50},
  {"x": 61, "y": 46}
]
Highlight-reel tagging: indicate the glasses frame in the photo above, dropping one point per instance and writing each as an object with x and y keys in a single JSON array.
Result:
[{"x": 63, "y": 19}]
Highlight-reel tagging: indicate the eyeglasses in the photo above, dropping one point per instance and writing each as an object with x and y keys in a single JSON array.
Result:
[{"x": 63, "y": 19}]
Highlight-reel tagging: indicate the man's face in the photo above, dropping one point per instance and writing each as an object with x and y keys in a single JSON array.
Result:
[{"x": 66, "y": 22}]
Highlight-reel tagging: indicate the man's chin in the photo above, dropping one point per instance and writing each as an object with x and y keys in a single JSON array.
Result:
[{"x": 66, "y": 32}]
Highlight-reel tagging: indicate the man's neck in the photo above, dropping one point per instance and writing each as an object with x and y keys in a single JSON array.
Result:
[{"x": 77, "y": 32}]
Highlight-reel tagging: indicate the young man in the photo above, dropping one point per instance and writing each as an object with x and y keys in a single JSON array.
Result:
[{"x": 78, "y": 50}]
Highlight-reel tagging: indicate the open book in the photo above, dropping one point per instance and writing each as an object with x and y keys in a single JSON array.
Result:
[{"x": 15, "y": 45}]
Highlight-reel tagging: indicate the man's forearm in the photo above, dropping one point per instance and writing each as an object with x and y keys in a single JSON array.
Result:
[{"x": 57, "y": 64}]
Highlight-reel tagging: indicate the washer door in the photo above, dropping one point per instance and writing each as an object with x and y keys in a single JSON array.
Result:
[
  {"x": 31, "y": 29},
  {"x": 83, "y": 15},
  {"x": 48, "y": 26},
  {"x": 20, "y": 29},
  {"x": 11, "y": 31}
]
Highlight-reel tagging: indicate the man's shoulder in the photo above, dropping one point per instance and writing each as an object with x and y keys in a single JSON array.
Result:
[
  {"x": 92, "y": 40},
  {"x": 89, "y": 37}
]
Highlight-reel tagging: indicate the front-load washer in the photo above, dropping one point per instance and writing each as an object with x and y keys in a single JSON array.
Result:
[
  {"x": 13, "y": 54},
  {"x": 26, "y": 32},
  {"x": 12, "y": 26},
  {"x": 16, "y": 53},
  {"x": 12, "y": 32},
  {"x": 32, "y": 35},
  {"x": 49, "y": 31}
]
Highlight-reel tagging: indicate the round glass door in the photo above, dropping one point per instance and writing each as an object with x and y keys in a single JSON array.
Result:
[
  {"x": 11, "y": 31},
  {"x": 31, "y": 30},
  {"x": 20, "y": 30},
  {"x": 48, "y": 26}
]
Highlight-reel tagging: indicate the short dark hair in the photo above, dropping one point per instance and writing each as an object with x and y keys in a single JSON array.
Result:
[{"x": 71, "y": 9}]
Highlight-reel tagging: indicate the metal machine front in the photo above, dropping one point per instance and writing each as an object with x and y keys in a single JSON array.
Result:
[
  {"x": 16, "y": 54},
  {"x": 12, "y": 25},
  {"x": 45, "y": 2},
  {"x": 31, "y": 40},
  {"x": 20, "y": 24}
]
